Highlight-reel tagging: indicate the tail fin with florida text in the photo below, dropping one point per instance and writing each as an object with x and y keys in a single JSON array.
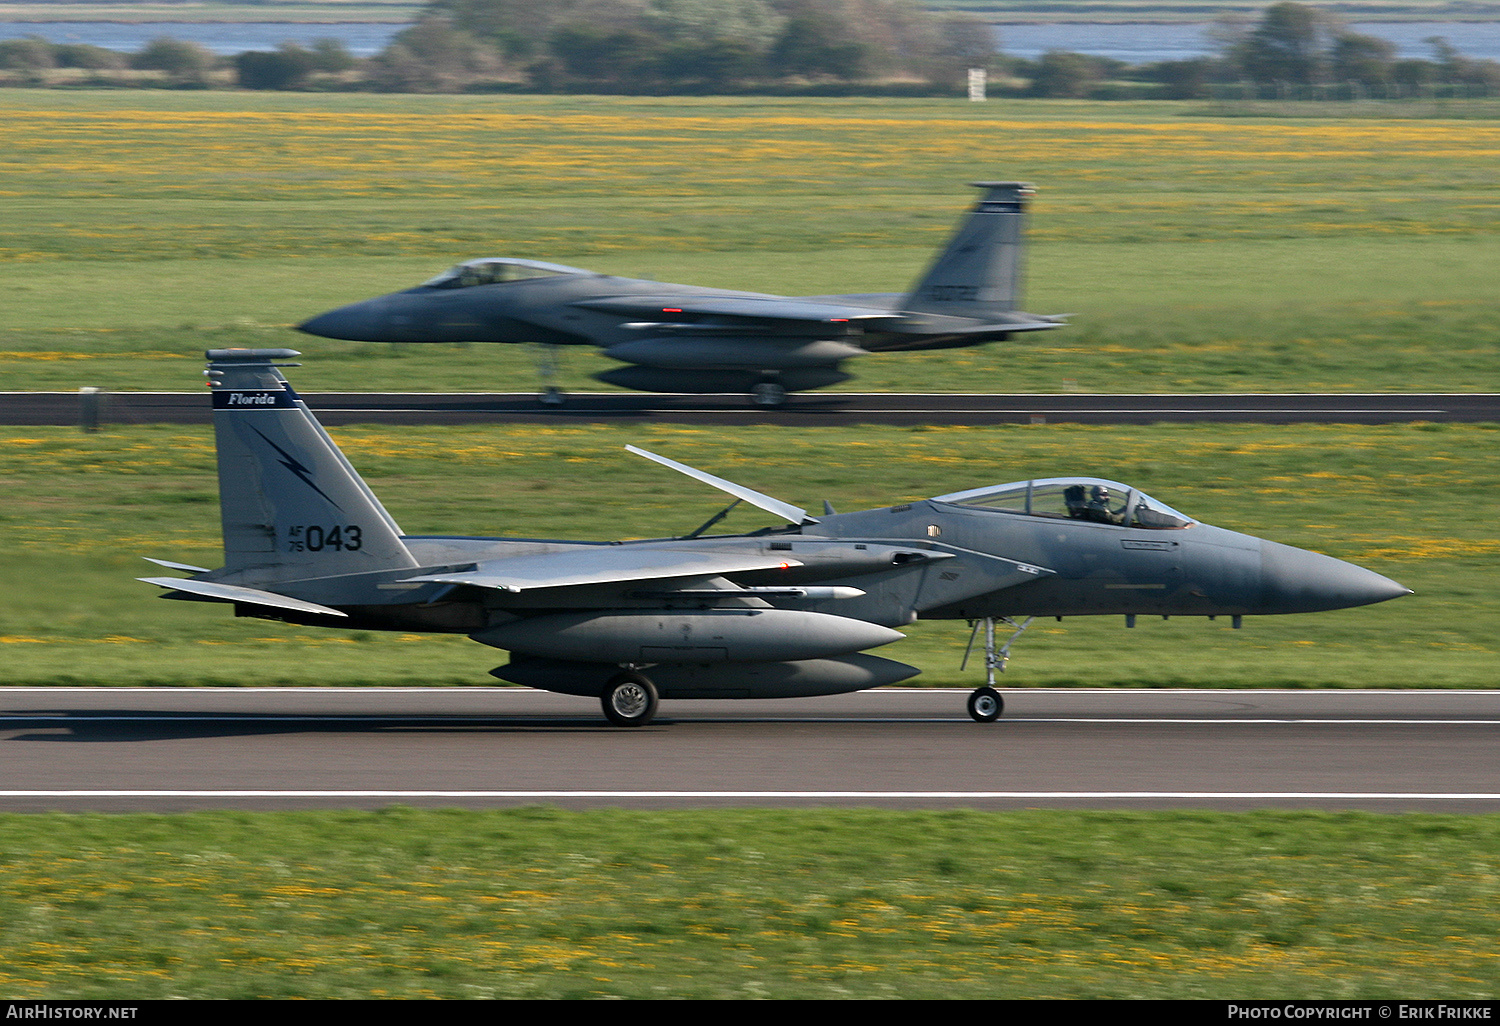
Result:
[{"x": 292, "y": 506}]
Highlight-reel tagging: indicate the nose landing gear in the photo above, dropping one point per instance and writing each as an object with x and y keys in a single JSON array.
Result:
[{"x": 986, "y": 704}]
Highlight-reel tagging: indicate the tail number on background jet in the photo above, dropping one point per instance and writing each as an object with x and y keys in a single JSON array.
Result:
[
  {"x": 316, "y": 538},
  {"x": 952, "y": 293}
]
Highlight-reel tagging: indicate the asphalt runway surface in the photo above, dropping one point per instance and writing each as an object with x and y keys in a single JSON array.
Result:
[
  {"x": 802, "y": 410},
  {"x": 172, "y": 749}
]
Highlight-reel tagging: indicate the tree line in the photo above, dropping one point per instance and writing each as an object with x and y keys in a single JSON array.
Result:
[{"x": 825, "y": 47}]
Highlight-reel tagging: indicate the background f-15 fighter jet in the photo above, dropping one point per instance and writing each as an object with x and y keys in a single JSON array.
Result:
[
  {"x": 783, "y": 612},
  {"x": 682, "y": 338}
]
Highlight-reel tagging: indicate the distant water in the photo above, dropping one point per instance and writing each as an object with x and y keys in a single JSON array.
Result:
[
  {"x": 360, "y": 38},
  {"x": 1134, "y": 44},
  {"x": 1147, "y": 44}
]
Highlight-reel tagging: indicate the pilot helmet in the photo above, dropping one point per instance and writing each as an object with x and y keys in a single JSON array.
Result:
[{"x": 1099, "y": 493}]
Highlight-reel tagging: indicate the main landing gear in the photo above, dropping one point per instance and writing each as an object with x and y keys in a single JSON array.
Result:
[
  {"x": 546, "y": 367},
  {"x": 629, "y": 699},
  {"x": 986, "y": 704},
  {"x": 768, "y": 393}
]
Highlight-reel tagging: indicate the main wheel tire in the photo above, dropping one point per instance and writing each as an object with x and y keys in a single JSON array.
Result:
[
  {"x": 629, "y": 700},
  {"x": 768, "y": 393},
  {"x": 552, "y": 396},
  {"x": 986, "y": 705}
]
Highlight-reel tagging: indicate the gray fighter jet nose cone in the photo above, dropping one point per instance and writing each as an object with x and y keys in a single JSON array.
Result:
[
  {"x": 353, "y": 322},
  {"x": 1297, "y": 581}
]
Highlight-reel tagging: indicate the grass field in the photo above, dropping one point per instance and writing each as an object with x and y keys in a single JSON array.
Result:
[
  {"x": 1199, "y": 252},
  {"x": 749, "y": 904}
]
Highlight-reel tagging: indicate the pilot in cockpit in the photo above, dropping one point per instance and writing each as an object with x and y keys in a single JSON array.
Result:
[
  {"x": 1091, "y": 504},
  {"x": 1098, "y": 507},
  {"x": 1094, "y": 508}
]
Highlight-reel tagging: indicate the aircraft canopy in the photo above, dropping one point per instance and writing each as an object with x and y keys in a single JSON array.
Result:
[
  {"x": 1074, "y": 498},
  {"x": 496, "y": 270}
]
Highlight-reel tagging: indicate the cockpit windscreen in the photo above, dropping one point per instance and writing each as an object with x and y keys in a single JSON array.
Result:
[
  {"x": 1090, "y": 499},
  {"x": 496, "y": 271}
]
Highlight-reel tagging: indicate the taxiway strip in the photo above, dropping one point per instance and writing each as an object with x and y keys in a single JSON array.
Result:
[{"x": 805, "y": 409}]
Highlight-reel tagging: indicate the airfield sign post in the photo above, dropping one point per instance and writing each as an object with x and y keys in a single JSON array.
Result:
[{"x": 977, "y": 80}]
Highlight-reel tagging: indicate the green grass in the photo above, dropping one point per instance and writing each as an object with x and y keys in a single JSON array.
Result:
[
  {"x": 538, "y": 903},
  {"x": 82, "y": 509},
  {"x": 1200, "y": 252}
]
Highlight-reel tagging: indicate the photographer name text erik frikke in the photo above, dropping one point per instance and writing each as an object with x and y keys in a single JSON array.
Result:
[{"x": 1434, "y": 1010}]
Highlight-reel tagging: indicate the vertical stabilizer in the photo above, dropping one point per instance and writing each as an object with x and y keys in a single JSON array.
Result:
[
  {"x": 980, "y": 271},
  {"x": 293, "y": 508}
]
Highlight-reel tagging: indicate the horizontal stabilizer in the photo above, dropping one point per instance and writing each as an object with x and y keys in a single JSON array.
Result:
[
  {"x": 605, "y": 564},
  {"x": 245, "y": 596},
  {"x": 997, "y": 326},
  {"x": 185, "y": 567}
]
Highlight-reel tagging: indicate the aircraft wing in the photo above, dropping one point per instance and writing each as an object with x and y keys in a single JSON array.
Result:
[
  {"x": 668, "y": 307},
  {"x": 605, "y": 564}
]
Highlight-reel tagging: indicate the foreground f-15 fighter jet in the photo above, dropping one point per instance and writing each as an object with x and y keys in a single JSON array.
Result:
[
  {"x": 783, "y": 612},
  {"x": 682, "y": 338}
]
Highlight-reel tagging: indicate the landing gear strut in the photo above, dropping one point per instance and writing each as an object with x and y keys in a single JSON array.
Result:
[
  {"x": 629, "y": 699},
  {"x": 986, "y": 704},
  {"x": 546, "y": 368}
]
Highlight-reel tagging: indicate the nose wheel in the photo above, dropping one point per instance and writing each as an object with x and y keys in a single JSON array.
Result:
[{"x": 986, "y": 704}]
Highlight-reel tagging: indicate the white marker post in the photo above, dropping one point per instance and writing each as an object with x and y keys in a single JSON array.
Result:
[{"x": 977, "y": 78}]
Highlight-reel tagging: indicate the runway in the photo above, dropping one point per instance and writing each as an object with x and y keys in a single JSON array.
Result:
[
  {"x": 803, "y": 410},
  {"x": 172, "y": 749}
]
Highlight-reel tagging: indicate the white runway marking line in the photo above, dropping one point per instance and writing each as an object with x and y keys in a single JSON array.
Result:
[{"x": 780, "y": 795}]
